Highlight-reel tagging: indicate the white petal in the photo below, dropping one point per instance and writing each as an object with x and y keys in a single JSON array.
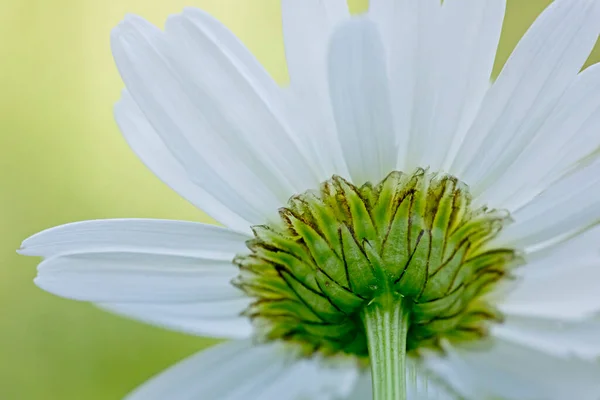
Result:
[
  {"x": 306, "y": 23},
  {"x": 241, "y": 370},
  {"x": 411, "y": 33},
  {"x": 280, "y": 101},
  {"x": 512, "y": 372},
  {"x": 146, "y": 236},
  {"x": 248, "y": 102},
  {"x": 435, "y": 95},
  {"x": 556, "y": 337},
  {"x": 149, "y": 261},
  {"x": 201, "y": 131},
  {"x": 538, "y": 72},
  {"x": 413, "y": 81},
  {"x": 569, "y": 205},
  {"x": 567, "y": 293},
  {"x": 558, "y": 282},
  {"x": 568, "y": 135},
  {"x": 363, "y": 388},
  {"x": 214, "y": 196},
  {"x": 472, "y": 30},
  {"x": 235, "y": 50},
  {"x": 220, "y": 318},
  {"x": 359, "y": 94},
  {"x": 136, "y": 277},
  {"x": 560, "y": 254},
  {"x": 307, "y": 27},
  {"x": 383, "y": 13}
]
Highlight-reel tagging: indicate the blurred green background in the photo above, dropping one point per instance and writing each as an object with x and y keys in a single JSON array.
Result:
[{"x": 62, "y": 159}]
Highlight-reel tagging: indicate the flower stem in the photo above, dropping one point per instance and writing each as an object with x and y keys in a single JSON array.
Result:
[{"x": 386, "y": 323}]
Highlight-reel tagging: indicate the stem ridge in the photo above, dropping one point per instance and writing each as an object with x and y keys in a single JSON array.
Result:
[{"x": 386, "y": 325}]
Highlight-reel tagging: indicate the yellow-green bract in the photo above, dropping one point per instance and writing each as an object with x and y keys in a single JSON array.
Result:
[{"x": 415, "y": 236}]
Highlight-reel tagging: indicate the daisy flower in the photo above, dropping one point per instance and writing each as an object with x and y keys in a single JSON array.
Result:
[{"x": 390, "y": 219}]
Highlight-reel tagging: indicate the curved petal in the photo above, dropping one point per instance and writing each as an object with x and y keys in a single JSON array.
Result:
[
  {"x": 566, "y": 293},
  {"x": 553, "y": 336},
  {"x": 410, "y": 30},
  {"x": 219, "y": 318},
  {"x": 435, "y": 94},
  {"x": 559, "y": 282},
  {"x": 569, "y": 205},
  {"x": 150, "y": 261},
  {"x": 359, "y": 94},
  {"x": 308, "y": 137},
  {"x": 542, "y": 66},
  {"x": 147, "y": 236},
  {"x": 212, "y": 194},
  {"x": 242, "y": 370},
  {"x": 472, "y": 30},
  {"x": 514, "y": 372},
  {"x": 305, "y": 24},
  {"x": 200, "y": 23},
  {"x": 307, "y": 27},
  {"x": 568, "y": 135},
  {"x": 249, "y": 105},
  {"x": 134, "y": 277},
  {"x": 204, "y": 115}
]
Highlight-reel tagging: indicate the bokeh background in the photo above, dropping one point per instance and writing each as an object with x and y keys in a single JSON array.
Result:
[{"x": 62, "y": 159}]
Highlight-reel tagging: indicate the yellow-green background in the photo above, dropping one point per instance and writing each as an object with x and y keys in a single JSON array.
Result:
[{"x": 62, "y": 159}]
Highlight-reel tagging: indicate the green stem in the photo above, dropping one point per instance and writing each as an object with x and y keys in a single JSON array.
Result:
[{"x": 386, "y": 324}]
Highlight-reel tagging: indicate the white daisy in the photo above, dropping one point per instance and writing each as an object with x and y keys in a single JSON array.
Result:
[{"x": 391, "y": 189}]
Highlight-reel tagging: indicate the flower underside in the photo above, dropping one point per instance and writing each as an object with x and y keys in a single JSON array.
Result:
[{"x": 414, "y": 236}]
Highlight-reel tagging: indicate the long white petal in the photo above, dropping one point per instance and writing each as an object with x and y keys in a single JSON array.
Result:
[
  {"x": 514, "y": 372},
  {"x": 248, "y": 108},
  {"x": 140, "y": 262},
  {"x": 194, "y": 124},
  {"x": 307, "y": 27},
  {"x": 305, "y": 24},
  {"x": 410, "y": 30},
  {"x": 219, "y": 318},
  {"x": 150, "y": 261},
  {"x": 145, "y": 236},
  {"x": 568, "y": 205},
  {"x": 558, "y": 282},
  {"x": 568, "y": 135},
  {"x": 435, "y": 94},
  {"x": 566, "y": 293},
  {"x": 359, "y": 94},
  {"x": 212, "y": 194},
  {"x": 217, "y": 33},
  {"x": 134, "y": 277},
  {"x": 538, "y": 72},
  {"x": 470, "y": 29},
  {"x": 242, "y": 370},
  {"x": 557, "y": 337}
]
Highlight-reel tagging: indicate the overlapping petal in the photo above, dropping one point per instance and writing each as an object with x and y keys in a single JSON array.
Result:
[
  {"x": 509, "y": 370},
  {"x": 305, "y": 25},
  {"x": 543, "y": 65},
  {"x": 169, "y": 273},
  {"x": 361, "y": 100},
  {"x": 568, "y": 135},
  {"x": 213, "y": 112},
  {"x": 258, "y": 371},
  {"x": 559, "y": 282}
]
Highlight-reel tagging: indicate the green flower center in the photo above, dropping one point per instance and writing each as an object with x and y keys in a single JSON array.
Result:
[{"x": 337, "y": 249}]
